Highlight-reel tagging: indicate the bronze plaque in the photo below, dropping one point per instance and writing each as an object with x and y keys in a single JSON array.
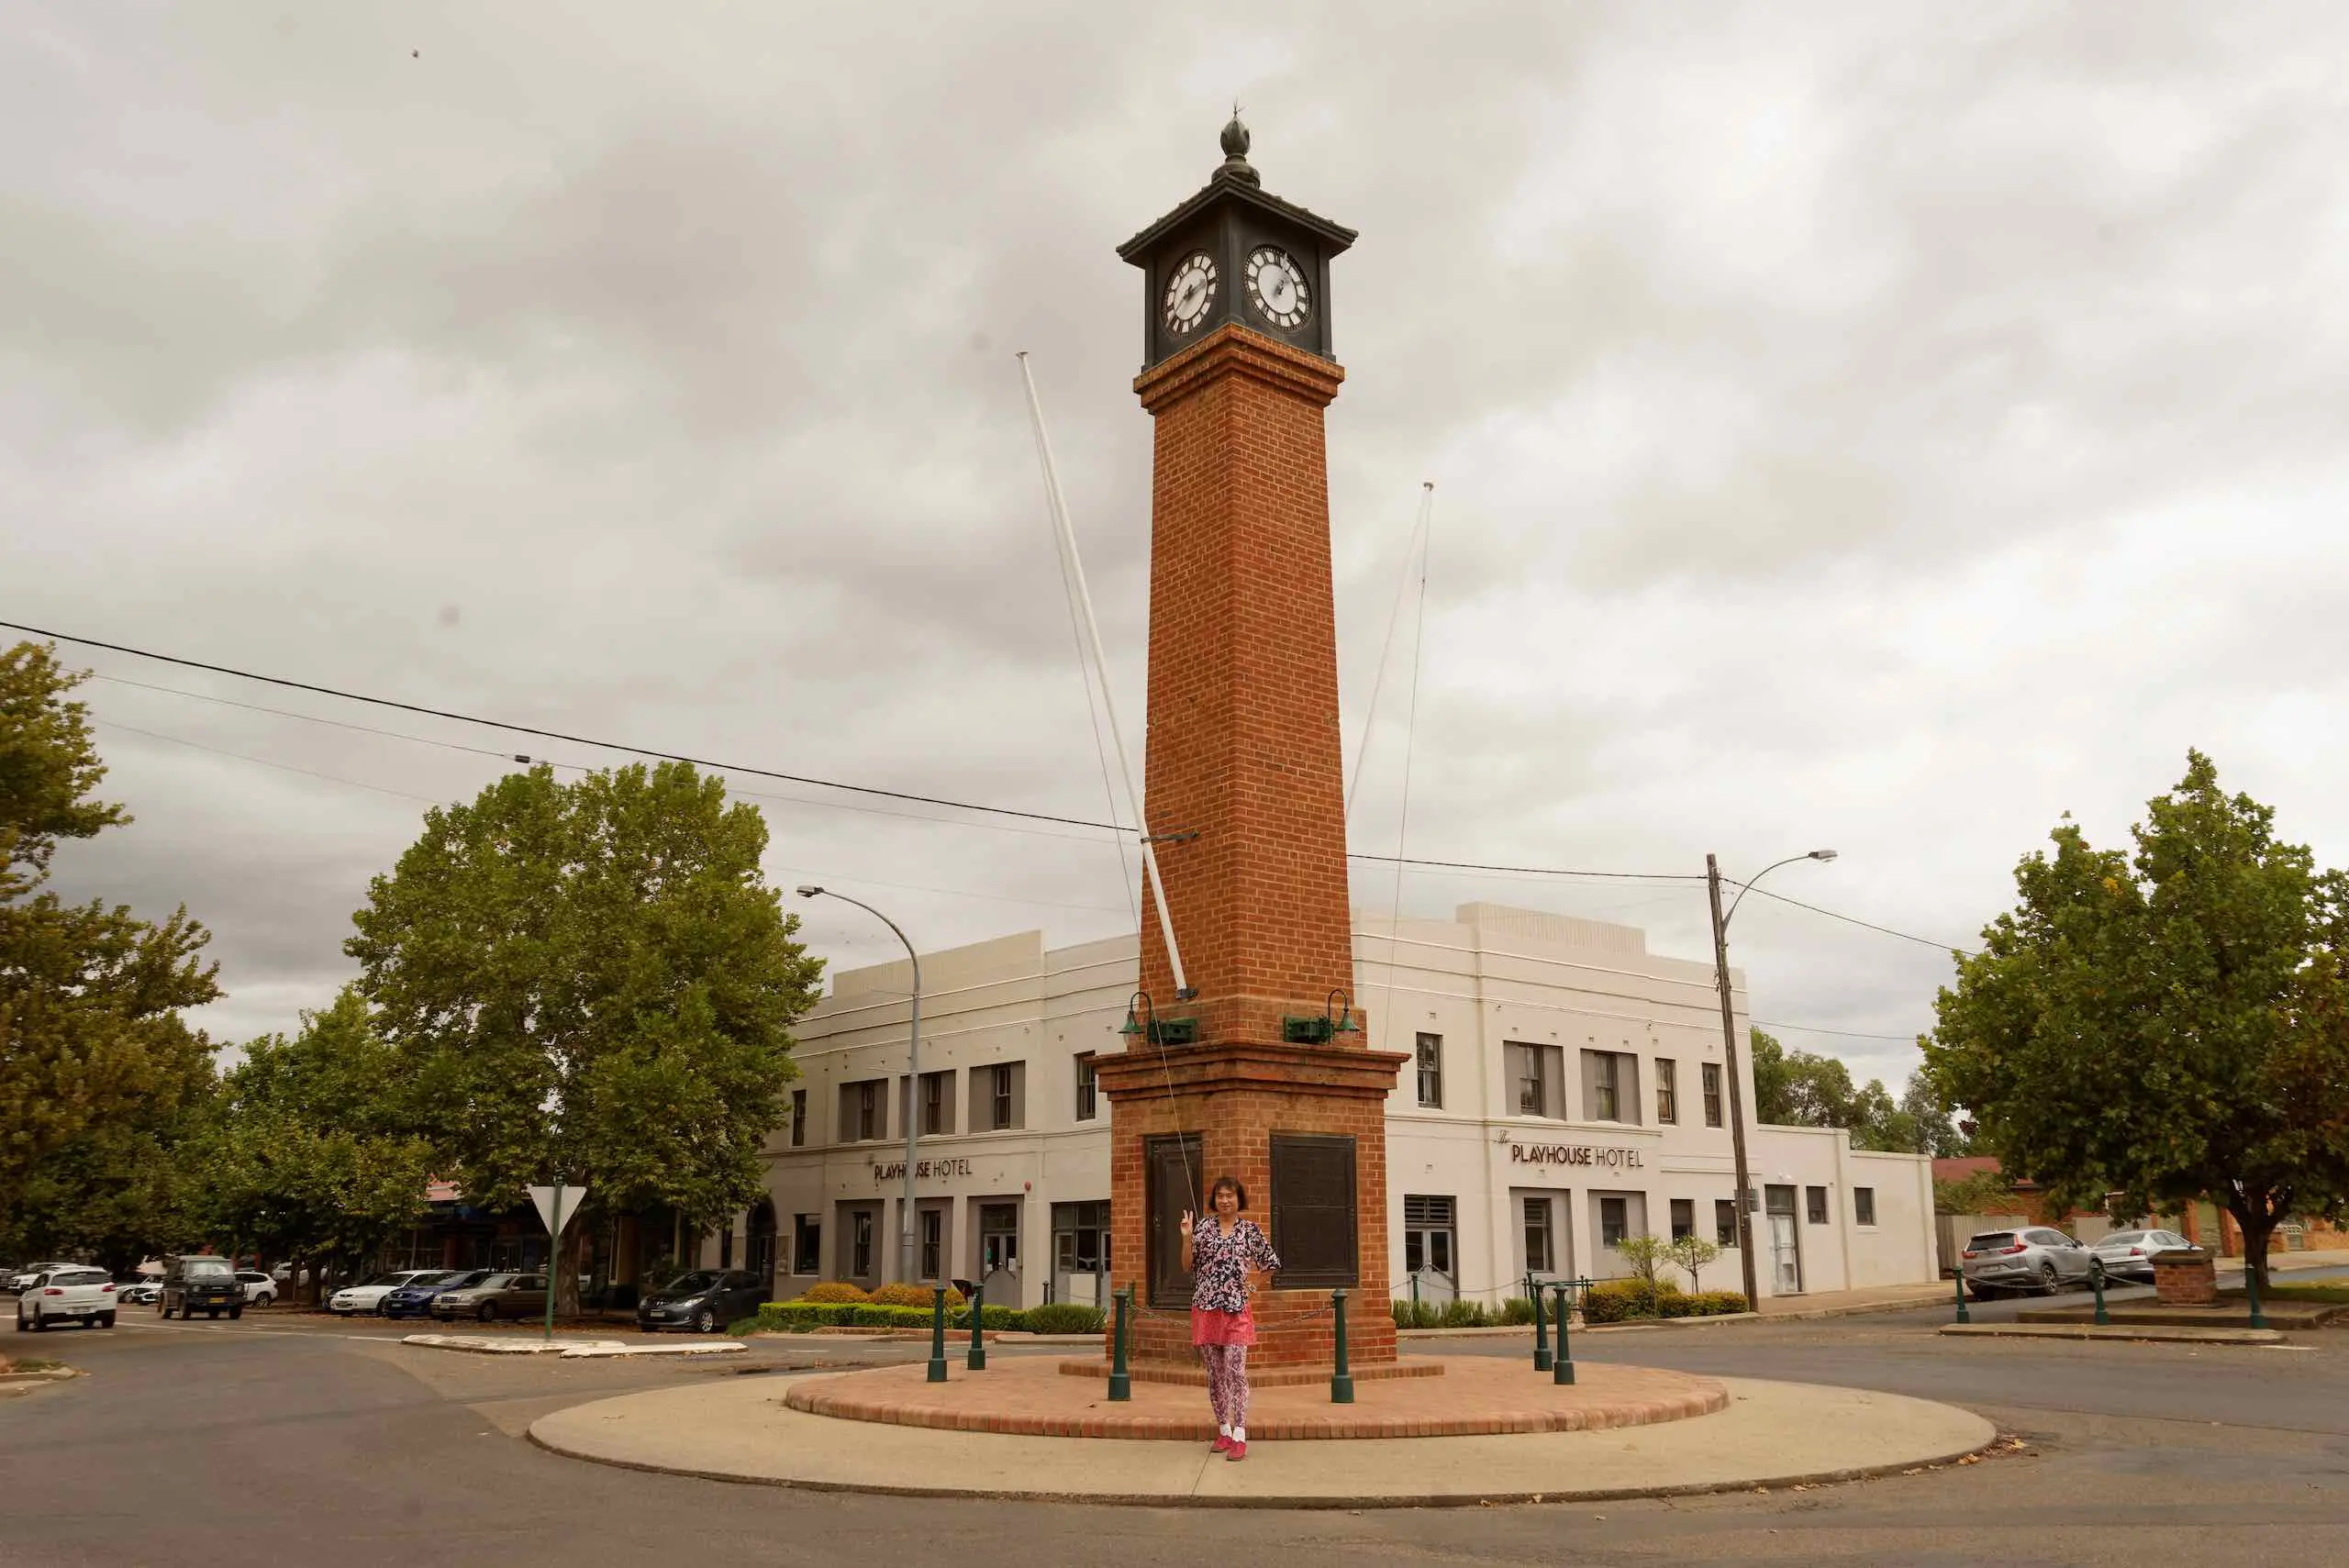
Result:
[
  {"x": 1172, "y": 1183},
  {"x": 1313, "y": 1211}
]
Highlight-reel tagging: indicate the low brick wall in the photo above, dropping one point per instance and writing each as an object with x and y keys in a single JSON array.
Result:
[{"x": 2184, "y": 1277}]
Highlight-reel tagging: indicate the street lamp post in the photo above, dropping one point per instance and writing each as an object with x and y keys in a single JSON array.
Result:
[
  {"x": 1729, "y": 1047},
  {"x": 913, "y": 1081}
]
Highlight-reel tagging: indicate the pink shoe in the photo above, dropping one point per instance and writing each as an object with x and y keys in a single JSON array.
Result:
[
  {"x": 1237, "y": 1450},
  {"x": 1221, "y": 1444}
]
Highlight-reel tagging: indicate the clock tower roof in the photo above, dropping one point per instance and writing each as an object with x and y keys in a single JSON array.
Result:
[{"x": 1235, "y": 181}]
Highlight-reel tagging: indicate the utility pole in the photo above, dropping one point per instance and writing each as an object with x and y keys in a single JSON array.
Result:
[{"x": 1736, "y": 1093}]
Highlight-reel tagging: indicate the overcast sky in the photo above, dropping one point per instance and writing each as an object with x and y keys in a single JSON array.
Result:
[{"x": 1876, "y": 427}]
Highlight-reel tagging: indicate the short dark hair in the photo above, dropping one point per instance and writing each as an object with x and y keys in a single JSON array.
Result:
[{"x": 1238, "y": 1191}]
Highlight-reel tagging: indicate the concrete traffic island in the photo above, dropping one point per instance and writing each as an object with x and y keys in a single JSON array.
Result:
[
  {"x": 1765, "y": 1434},
  {"x": 1468, "y": 1396},
  {"x": 570, "y": 1350}
]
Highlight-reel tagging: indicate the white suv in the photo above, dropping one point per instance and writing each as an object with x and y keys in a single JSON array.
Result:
[
  {"x": 69, "y": 1295},
  {"x": 259, "y": 1289}
]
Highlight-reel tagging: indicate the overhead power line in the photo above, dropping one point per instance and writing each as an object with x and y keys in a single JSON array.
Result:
[
  {"x": 1855, "y": 920},
  {"x": 865, "y": 791},
  {"x": 1840, "y": 1034}
]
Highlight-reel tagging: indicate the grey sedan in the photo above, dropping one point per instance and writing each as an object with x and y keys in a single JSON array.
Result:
[
  {"x": 499, "y": 1295},
  {"x": 1998, "y": 1263},
  {"x": 2129, "y": 1254}
]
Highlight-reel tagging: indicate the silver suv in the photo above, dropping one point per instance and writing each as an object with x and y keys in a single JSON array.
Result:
[{"x": 2001, "y": 1263}]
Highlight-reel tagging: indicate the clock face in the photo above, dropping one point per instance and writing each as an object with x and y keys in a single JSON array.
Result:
[
  {"x": 1189, "y": 293},
  {"x": 1277, "y": 287}
]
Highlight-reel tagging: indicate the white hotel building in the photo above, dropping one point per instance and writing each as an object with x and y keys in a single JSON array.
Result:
[{"x": 1566, "y": 1089}]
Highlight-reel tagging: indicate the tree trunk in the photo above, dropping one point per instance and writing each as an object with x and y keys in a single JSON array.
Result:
[
  {"x": 2256, "y": 1217},
  {"x": 569, "y": 1257}
]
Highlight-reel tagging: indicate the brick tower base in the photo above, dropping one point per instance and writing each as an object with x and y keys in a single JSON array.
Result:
[{"x": 1234, "y": 1097}]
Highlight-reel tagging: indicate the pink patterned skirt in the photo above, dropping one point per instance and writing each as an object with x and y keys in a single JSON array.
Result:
[{"x": 1212, "y": 1328}]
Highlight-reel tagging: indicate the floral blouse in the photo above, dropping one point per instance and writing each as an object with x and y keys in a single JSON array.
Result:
[{"x": 1221, "y": 1262}]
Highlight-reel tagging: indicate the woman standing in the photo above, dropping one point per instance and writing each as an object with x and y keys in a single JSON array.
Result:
[{"x": 1222, "y": 1251}]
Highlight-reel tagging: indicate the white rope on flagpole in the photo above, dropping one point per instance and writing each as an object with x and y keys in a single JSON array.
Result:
[{"x": 1101, "y": 667}]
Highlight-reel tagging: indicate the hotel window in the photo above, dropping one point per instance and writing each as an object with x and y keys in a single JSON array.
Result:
[
  {"x": 860, "y": 1230},
  {"x": 1427, "y": 1234},
  {"x": 1684, "y": 1218},
  {"x": 937, "y": 1103},
  {"x": 798, "y": 1119},
  {"x": 1864, "y": 1206},
  {"x": 1611, "y": 1086},
  {"x": 1667, "y": 1091},
  {"x": 1088, "y": 1089},
  {"x": 1712, "y": 1076},
  {"x": 934, "y": 1239},
  {"x": 1430, "y": 1058},
  {"x": 807, "y": 1244},
  {"x": 1815, "y": 1203},
  {"x": 999, "y": 1096},
  {"x": 1533, "y": 1073},
  {"x": 1724, "y": 1222},
  {"x": 1614, "y": 1220},
  {"x": 1539, "y": 1257}
]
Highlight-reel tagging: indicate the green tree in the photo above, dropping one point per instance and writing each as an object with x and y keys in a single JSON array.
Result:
[
  {"x": 314, "y": 1158},
  {"x": 591, "y": 980},
  {"x": 91, "y": 1037},
  {"x": 1936, "y": 1119},
  {"x": 1802, "y": 1088},
  {"x": 1645, "y": 1256},
  {"x": 1692, "y": 1252},
  {"x": 2164, "y": 1024}
]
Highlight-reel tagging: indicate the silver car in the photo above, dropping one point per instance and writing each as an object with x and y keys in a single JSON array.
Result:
[
  {"x": 2129, "y": 1254},
  {"x": 2001, "y": 1263}
]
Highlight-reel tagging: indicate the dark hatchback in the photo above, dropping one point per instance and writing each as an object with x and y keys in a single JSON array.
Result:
[
  {"x": 414, "y": 1299},
  {"x": 703, "y": 1301}
]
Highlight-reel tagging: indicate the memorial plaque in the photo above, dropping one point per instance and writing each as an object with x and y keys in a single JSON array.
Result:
[{"x": 1313, "y": 1211}]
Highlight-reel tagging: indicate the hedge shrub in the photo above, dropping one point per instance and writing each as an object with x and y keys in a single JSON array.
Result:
[
  {"x": 1613, "y": 1301},
  {"x": 910, "y": 1296},
  {"x": 831, "y": 1291},
  {"x": 799, "y": 1316},
  {"x": 1063, "y": 1318}
]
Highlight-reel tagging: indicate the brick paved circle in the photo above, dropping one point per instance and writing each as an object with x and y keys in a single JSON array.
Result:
[{"x": 1474, "y": 1396}]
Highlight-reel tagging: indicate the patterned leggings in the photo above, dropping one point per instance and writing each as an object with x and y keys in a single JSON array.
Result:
[{"x": 1228, "y": 1382}]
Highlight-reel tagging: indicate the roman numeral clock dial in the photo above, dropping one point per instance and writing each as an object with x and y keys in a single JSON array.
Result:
[{"x": 1277, "y": 287}]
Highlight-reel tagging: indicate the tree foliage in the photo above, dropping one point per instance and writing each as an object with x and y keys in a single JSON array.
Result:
[
  {"x": 314, "y": 1156},
  {"x": 1692, "y": 1252},
  {"x": 2164, "y": 1024},
  {"x": 593, "y": 979},
  {"x": 1802, "y": 1088},
  {"x": 93, "y": 1047}
]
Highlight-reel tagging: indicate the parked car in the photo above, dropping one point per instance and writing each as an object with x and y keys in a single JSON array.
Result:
[
  {"x": 69, "y": 1295},
  {"x": 283, "y": 1274},
  {"x": 25, "y": 1276},
  {"x": 1997, "y": 1262},
  {"x": 200, "y": 1283},
  {"x": 140, "y": 1290},
  {"x": 499, "y": 1295},
  {"x": 2129, "y": 1254},
  {"x": 369, "y": 1297},
  {"x": 703, "y": 1301},
  {"x": 415, "y": 1298},
  {"x": 259, "y": 1289}
]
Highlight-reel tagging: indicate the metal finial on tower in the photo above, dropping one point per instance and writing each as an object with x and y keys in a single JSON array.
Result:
[{"x": 1235, "y": 148}]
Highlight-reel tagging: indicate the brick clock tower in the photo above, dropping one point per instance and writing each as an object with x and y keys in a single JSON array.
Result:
[{"x": 1259, "y": 1069}]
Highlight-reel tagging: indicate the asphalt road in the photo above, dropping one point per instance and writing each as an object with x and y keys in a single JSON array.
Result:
[{"x": 299, "y": 1442}]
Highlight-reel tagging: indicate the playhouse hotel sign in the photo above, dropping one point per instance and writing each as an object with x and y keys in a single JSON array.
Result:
[{"x": 1593, "y": 1154}]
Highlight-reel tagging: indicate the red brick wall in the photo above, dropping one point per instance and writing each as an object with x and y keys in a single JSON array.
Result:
[{"x": 1243, "y": 742}]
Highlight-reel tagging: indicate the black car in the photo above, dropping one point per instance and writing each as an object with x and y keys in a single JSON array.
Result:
[
  {"x": 703, "y": 1301},
  {"x": 414, "y": 1299},
  {"x": 203, "y": 1284}
]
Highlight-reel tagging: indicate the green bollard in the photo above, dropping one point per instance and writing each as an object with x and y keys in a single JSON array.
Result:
[
  {"x": 977, "y": 1359},
  {"x": 1121, "y": 1382},
  {"x": 1962, "y": 1316},
  {"x": 2251, "y": 1284},
  {"x": 1540, "y": 1329},
  {"x": 1341, "y": 1377},
  {"x": 938, "y": 1334},
  {"x": 2096, "y": 1283},
  {"x": 1415, "y": 1300},
  {"x": 1563, "y": 1374}
]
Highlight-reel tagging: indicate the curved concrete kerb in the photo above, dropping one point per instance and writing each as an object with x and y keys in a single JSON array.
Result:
[
  {"x": 570, "y": 1350},
  {"x": 1772, "y": 1434},
  {"x": 1477, "y": 1395}
]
